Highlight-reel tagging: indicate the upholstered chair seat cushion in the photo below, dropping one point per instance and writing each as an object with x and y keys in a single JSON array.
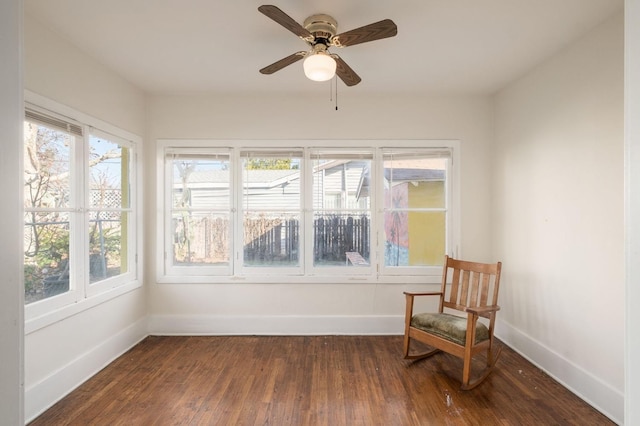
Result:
[{"x": 447, "y": 326}]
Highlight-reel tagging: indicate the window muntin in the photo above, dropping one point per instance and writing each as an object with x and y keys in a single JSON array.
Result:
[{"x": 324, "y": 206}]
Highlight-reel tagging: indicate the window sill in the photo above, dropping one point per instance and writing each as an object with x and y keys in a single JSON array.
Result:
[
  {"x": 36, "y": 323},
  {"x": 308, "y": 279}
]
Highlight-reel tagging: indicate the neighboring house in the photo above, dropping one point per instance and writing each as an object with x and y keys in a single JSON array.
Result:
[
  {"x": 273, "y": 190},
  {"x": 412, "y": 188}
]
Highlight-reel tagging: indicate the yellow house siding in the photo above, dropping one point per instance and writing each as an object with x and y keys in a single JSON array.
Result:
[{"x": 426, "y": 229}]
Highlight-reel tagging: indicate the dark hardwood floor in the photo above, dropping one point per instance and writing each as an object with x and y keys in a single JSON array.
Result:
[{"x": 310, "y": 380}]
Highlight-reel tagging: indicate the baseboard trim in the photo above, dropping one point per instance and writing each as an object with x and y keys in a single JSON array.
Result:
[
  {"x": 275, "y": 325},
  {"x": 44, "y": 394},
  {"x": 593, "y": 390}
]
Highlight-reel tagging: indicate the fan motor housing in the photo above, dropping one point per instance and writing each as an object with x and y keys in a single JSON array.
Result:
[{"x": 321, "y": 26}]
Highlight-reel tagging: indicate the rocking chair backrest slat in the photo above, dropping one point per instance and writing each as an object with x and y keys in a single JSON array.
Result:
[
  {"x": 475, "y": 288},
  {"x": 484, "y": 293},
  {"x": 469, "y": 284},
  {"x": 464, "y": 291},
  {"x": 454, "y": 286}
]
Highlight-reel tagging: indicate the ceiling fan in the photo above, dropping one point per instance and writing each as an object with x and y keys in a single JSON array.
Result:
[{"x": 320, "y": 32}]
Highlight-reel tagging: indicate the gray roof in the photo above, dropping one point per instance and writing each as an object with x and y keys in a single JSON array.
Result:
[{"x": 262, "y": 178}]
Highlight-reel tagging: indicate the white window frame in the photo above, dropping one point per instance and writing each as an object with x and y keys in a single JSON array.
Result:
[
  {"x": 82, "y": 295},
  {"x": 374, "y": 274},
  {"x": 167, "y": 265},
  {"x": 257, "y": 271},
  {"x": 354, "y": 272},
  {"x": 450, "y": 194},
  {"x": 129, "y": 276}
]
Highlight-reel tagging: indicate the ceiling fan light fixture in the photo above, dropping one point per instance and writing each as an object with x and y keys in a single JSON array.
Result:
[{"x": 319, "y": 67}]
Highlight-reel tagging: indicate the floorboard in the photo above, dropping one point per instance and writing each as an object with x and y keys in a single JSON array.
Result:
[{"x": 310, "y": 380}]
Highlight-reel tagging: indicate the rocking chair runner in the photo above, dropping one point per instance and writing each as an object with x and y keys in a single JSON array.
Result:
[{"x": 472, "y": 293}]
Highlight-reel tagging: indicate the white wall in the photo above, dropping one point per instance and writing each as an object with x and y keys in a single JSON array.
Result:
[
  {"x": 313, "y": 308},
  {"x": 11, "y": 293},
  {"x": 63, "y": 354},
  {"x": 56, "y": 69},
  {"x": 632, "y": 210},
  {"x": 559, "y": 217}
]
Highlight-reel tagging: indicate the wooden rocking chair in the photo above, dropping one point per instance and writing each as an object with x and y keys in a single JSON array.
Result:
[{"x": 472, "y": 293}]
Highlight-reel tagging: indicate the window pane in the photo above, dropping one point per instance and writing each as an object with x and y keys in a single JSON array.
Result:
[
  {"x": 47, "y": 172},
  {"x": 271, "y": 239},
  {"x": 47, "y": 185},
  {"x": 271, "y": 203},
  {"x": 201, "y": 183},
  {"x": 200, "y": 238},
  {"x": 341, "y": 184},
  {"x": 414, "y": 238},
  {"x": 341, "y": 239},
  {"x": 415, "y": 203},
  {"x": 109, "y": 189},
  {"x": 46, "y": 255},
  {"x": 271, "y": 183},
  {"x": 415, "y": 182},
  {"x": 109, "y": 174},
  {"x": 108, "y": 245},
  {"x": 341, "y": 203}
]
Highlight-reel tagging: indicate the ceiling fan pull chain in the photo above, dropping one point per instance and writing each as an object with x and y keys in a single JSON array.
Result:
[
  {"x": 331, "y": 90},
  {"x": 336, "y": 82}
]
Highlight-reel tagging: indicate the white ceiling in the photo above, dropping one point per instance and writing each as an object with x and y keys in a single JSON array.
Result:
[{"x": 205, "y": 46}]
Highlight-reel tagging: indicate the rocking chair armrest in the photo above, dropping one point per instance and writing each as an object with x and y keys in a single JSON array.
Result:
[
  {"x": 429, "y": 293},
  {"x": 482, "y": 309}
]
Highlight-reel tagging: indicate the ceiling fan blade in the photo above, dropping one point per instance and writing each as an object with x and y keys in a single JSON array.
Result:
[
  {"x": 285, "y": 20},
  {"x": 344, "y": 71},
  {"x": 278, "y": 65},
  {"x": 376, "y": 31}
]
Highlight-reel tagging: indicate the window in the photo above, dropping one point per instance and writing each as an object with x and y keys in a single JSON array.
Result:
[
  {"x": 79, "y": 222},
  {"x": 341, "y": 208},
  {"x": 109, "y": 209},
  {"x": 414, "y": 185},
  {"x": 50, "y": 149},
  {"x": 271, "y": 207},
  {"x": 307, "y": 213},
  {"x": 200, "y": 205}
]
